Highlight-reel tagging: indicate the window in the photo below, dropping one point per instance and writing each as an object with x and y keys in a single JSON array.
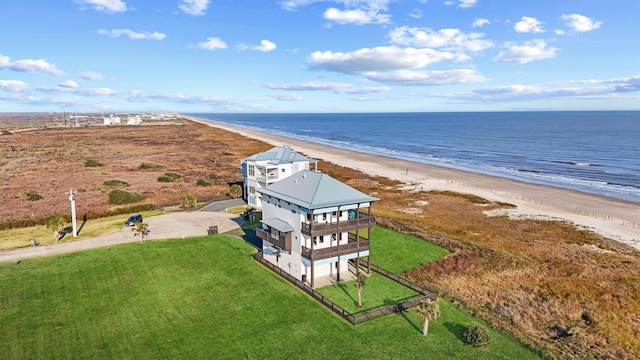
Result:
[
  {"x": 324, "y": 216},
  {"x": 252, "y": 170},
  {"x": 315, "y": 240},
  {"x": 252, "y": 190},
  {"x": 275, "y": 233},
  {"x": 322, "y": 239},
  {"x": 284, "y": 170},
  {"x": 334, "y": 213}
]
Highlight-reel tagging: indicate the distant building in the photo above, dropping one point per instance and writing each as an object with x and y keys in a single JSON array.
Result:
[
  {"x": 266, "y": 168},
  {"x": 112, "y": 120},
  {"x": 134, "y": 120},
  {"x": 313, "y": 224}
]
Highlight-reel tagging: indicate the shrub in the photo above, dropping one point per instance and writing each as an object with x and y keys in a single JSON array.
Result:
[
  {"x": 214, "y": 176},
  {"x": 115, "y": 183},
  {"x": 149, "y": 166},
  {"x": 92, "y": 163},
  {"x": 476, "y": 335},
  {"x": 30, "y": 194},
  {"x": 121, "y": 197},
  {"x": 189, "y": 201},
  {"x": 169, "y": 177},
  {"x": 203, "y": 182}
]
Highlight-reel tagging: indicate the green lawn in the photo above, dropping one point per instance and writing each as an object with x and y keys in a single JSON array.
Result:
[
  {"x": 398, "y": 252},
  {"x": 200, "y": 298},
  {"x": 379, "y": 291}
]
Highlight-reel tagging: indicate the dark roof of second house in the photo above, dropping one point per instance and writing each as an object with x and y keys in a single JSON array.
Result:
[
  {"x": 315, "y": 190},
  {"x": 279, "y": 155}
]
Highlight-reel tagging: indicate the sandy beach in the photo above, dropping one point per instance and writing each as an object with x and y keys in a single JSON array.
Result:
[{"x": 612, "y": 218}]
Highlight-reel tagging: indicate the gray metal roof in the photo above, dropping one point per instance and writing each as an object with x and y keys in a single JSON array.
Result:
[
  {"x": 315, "y": 190},
  {"x": 279, "y": 155},
  {"x": 278, "y": 224}
]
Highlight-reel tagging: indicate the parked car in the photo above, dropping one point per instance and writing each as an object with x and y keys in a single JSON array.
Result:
[{"x": 133, "y": 219}]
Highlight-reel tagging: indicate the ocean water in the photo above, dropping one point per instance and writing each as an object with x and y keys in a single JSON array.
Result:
[{"x": 596, "y": 152}]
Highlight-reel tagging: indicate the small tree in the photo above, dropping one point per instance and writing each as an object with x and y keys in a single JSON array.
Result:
[
  {"x": 56, "y": 223},
  {"x": 361, "y": 278},
  {"x": 140, "y": 228},
  {"x": 235, "y": 191},
  {"x": 430, "y": 311},
  {"x": 189, "y": 201}
]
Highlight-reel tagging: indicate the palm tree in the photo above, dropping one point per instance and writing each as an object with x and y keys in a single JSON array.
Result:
[
  {"x": 361, "y": 277},
  {"x": 235, "y": 191},
  {"x": 430, "y": 311},
  {"x": 56, "y": 223},
  {"x": 140, "y": 228}
]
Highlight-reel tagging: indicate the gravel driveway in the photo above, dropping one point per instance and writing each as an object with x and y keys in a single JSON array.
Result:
[{"x": 166, "y": 226}]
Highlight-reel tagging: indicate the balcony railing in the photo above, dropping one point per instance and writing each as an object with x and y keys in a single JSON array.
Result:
[
  {"x": 350, "y": 248},
  {"x": 266, "y": 177},
  {"x": 320, "y": 228},
  {"x": 280, "y": 241}
]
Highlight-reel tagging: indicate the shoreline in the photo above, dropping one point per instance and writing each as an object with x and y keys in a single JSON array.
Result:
[{"x": 612, "y": 218}]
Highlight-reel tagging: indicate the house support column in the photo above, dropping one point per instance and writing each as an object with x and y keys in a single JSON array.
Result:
[{"x": 313, "y": 265}]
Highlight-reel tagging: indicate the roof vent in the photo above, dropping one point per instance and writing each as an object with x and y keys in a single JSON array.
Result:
[
  {"x": 304, "y": 176},
  {"x": 295, "y": 181}
]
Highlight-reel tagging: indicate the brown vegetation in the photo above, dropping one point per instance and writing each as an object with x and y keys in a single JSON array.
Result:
[{"x": 569, "y": 292}]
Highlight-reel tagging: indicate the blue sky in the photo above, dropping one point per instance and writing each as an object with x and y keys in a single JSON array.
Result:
[{"x": 319, "y": 55}]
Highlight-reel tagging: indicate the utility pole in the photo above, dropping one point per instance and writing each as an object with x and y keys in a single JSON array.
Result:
[{"x": 73, "y": 212}]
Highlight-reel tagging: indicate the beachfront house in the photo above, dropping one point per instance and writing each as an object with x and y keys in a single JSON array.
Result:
[
  {"x": 266, "y": 168},
  {"x": 313, "y": 224}
]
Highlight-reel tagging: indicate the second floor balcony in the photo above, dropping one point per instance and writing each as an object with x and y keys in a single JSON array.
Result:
[
  {"x": 325, "y": 228},
  {"x": 352, "y": 247}
]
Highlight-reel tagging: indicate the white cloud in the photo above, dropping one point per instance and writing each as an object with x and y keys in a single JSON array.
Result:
[
  {"x": 462, "y": 3},
  {"x": 580, "y": 23},
  {"x": 194, "y": 7},
  {"x": 415, "y": 13},
  {"x": 480, "y": 22},
  {"x": 356, "y": 16},
  {"x": 93, "y": 76},
  {"x": 530, "y": 51},
  {"x": 287, "y": 97},
  {"x": 212, "y": 43},
  {"x": 580, "y": 89},
  {"x": 108, "y": 6},
  {"x": 132, "y": 34},
  {"x": 13, "y": 85},
  {"x": 309, "y": 86},
  {"x": 383, "y": 58},
  {"x": 358, "y": 12},
  {"x": 467, "y": 3},
  {"x": 340, "y": 88},
  {"x": 28, "y": 65},
  {"x": 68, "y": 84},
  {"x": 448, "y": 39},
  {"x": 265, "y": 46},
  {"x": 527, "y": 25},
  {"x": 394, "y": 65},
  {"x": 424, "y": 78}
]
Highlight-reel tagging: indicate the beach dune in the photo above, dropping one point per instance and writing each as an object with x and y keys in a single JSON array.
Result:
[{"x": 612, "y": 218}]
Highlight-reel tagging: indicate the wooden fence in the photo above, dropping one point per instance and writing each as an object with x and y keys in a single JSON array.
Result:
[{"x": 361, "y": 317}]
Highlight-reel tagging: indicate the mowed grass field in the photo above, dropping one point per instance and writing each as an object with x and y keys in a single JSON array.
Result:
[{"x": 201, "y": 298}]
